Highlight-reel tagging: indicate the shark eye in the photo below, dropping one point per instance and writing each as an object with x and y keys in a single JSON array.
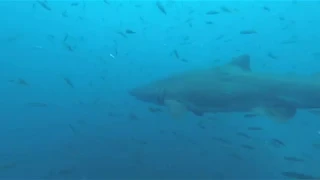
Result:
[{"x": 161, "y": 96}]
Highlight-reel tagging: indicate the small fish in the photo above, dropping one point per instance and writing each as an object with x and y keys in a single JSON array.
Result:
[
  {"x": 115, "y": 47},
  {"x": 316, "y": 145},
  {"x": 129, "y": 31},
  {"x": 75, "y": 4},
  {"x": 65, "y": 13},
  {"x": 184, "y": 60},
  {"x": 221, "y": 140},
  {"x": 248, "y": 32},
  {"x": 65, "y": 171},
  {"x": 212, "y": 12},
  {"x": 236, "y": 156},
  {"x": 112, "y": 56},
  {"x": 266, "y": 8},
  {"x": 219, "y": 37},
  {"x": 81, "y": 122},
  {"x": 8, "y": 166},
  {"x": 290, "y": 41},
  {"x": 69, "y": 47},
  {"x": 176, "y": 54},
  {"x": 13, "y": 38},
  {"x": 66, "y": 36},
  {"x": 122, "y": 34},
  {"x": 254, "y": 128},
  {"x": 201, "y": 125},
  {"x": 244, "y": 135},
  {"x": 142, "y": 142},
  {"x": 189, "y": 20},
  {"x": 209, "y": 22},
  {"x": 50, "y": 36},
  {"x": 154, "y": 110},
  {"x": 72, "y": 129},
  {"x": 296, "y": 175},
  {"x": 138, "y": 5},
  {"x": 217, "y": 60},
  {"x": 225, "y": 9},
  {"x": 37, "y": 104},
  {"x": 68, "y": 81},
  {"x": 293, "y": 159},
  {"x": 22, "y": 82},
  {"x": 247, "y": 147},
  {"x": 316, "y": 55},
  {"x": 162, "y": 131},
  {"x": 37, "y": 47},
  {"x": 142, "y": 20},
  {"x": 133, "y": 116},
  {"x": 272, "y": 56},
  {"x": 45, "y": 5},
  {"x": 106, "y": 2},
  {"x": 161, "y": 7},
  {"x": 250, "y": 115},
  {"x": 277, "y": 143}
]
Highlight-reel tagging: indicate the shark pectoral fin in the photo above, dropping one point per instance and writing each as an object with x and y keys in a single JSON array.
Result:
[
  {"x": 176, "y": 108},
  {"x": 242, "y": 62},
  {"x": 280, "y": 113}
]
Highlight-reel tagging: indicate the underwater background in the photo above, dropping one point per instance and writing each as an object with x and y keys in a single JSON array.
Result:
[{"x": 67, "y": 66}]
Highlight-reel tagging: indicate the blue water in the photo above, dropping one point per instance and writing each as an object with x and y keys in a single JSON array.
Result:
[{"x": 66, "y": 68}]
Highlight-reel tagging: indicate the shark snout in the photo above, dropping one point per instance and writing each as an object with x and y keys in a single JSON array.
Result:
[
  {"x": 136, "y": 92},
  {"x": 143, "y": 94},
  {"x": 132, "y": 92}
]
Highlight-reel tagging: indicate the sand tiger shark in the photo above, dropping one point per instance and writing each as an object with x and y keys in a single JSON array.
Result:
[{"x": 233, "y": 87}]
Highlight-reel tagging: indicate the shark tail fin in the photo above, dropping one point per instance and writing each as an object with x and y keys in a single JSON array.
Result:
[
  {"x": 278, "y": 113},
  {"x": 176, "y": 108}
]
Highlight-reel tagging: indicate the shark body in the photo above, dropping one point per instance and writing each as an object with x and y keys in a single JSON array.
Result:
[{"x": 233, "y": 87}]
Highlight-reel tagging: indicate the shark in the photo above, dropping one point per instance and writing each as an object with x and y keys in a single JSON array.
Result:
[{"x": 233, "y": 87}]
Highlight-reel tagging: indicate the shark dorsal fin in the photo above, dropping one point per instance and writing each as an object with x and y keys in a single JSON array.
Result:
[{"x": 242, "y": 62}]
